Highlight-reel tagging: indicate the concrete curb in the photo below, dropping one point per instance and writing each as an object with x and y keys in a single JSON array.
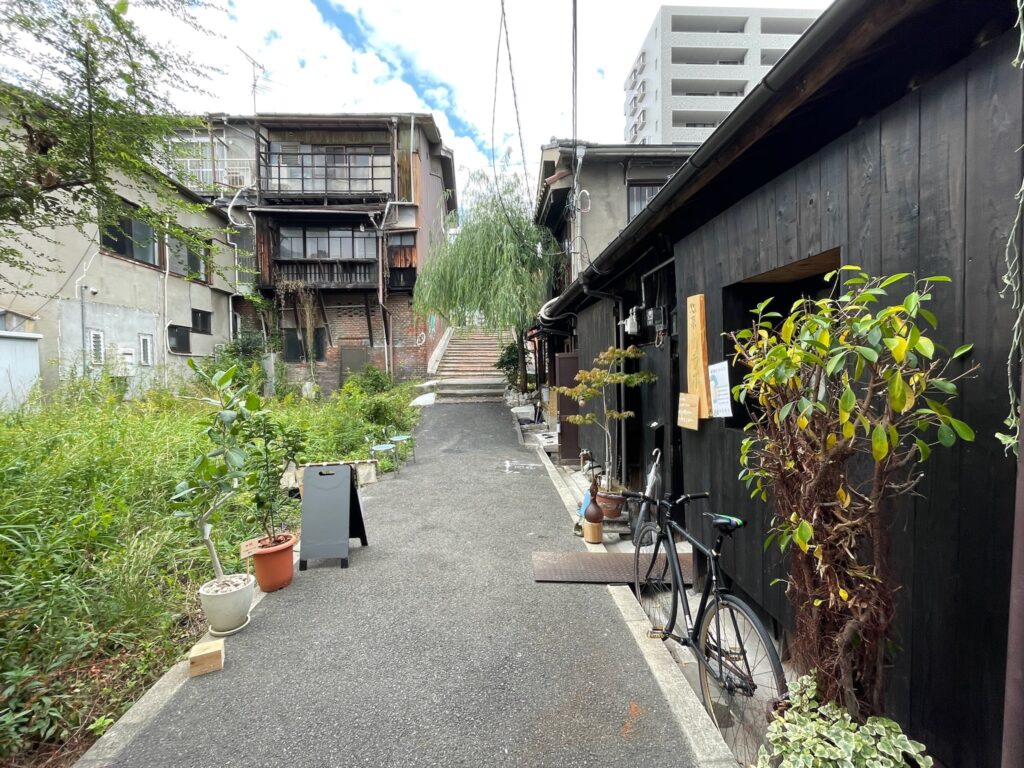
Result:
[
  {"x": 120, "y": 734},
  {"x": 700, "y": 733}
]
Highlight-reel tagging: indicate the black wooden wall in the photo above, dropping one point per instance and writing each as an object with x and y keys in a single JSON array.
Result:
[
  {"x": 928, "y": 186},
  {"x": 596, "y": 330}
]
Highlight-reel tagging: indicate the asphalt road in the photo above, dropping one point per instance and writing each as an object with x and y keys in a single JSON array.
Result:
[{"x": 435, "y": 647}]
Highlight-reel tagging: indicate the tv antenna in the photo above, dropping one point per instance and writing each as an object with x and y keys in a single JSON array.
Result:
[{"x": 256, "y": 69}]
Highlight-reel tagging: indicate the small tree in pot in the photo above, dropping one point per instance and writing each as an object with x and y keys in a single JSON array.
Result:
[
  {"x": 846, "y": 400},
  {"x": 216, "y": 476},
  {"x": 600, "y": 383},
  {"x": 274, "y": 447}
]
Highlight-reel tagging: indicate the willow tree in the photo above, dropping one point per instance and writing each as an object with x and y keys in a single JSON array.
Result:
[
  {"x": 498, "y": 264},
  {"x": 86, "y": 118}
]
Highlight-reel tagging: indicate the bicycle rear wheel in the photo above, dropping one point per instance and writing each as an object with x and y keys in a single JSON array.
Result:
[
  {"x": 652, "y": 577},
  {"x": 745, "y": 681}
]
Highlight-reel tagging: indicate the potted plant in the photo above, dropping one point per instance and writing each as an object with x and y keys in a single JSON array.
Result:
[
  {"x": 847, "y": 396},
  {"x": 274, "y": 448},
  {"x": 598, "y": 383},
  {"x": 213, "y": 483}
]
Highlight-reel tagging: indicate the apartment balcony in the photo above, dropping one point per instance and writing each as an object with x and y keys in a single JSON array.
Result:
[
  {"x": 350, "y": 274},
  {"x": 703, "y": 104},
  {"x": 289, "y": 170},
  {"x": 200, "y": 176}
]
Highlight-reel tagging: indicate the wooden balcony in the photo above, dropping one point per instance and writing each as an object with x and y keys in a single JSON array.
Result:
[{"x": 353, "y": 274}]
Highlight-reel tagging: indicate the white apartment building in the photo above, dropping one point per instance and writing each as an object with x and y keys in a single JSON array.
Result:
[{"x": 698, "y": 63}]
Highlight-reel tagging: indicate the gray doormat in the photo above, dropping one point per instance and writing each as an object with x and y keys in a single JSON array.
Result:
[{"x": 594, "y": 567}]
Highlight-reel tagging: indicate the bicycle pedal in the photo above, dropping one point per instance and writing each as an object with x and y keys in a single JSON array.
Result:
[{"x": 658, "y": 633}]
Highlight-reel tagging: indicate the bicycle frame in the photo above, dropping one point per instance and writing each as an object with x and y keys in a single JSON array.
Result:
[{"x": 692, "y": 624}]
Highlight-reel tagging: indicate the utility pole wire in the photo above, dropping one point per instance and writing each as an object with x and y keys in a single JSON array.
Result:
[{"x": 515, "y": 101}]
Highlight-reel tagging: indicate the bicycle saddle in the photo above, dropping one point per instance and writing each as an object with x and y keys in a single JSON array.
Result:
[{"x": 727, "y": 523}]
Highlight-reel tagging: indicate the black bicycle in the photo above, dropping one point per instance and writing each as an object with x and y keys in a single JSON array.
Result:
[{"x": 741, "y": 677}]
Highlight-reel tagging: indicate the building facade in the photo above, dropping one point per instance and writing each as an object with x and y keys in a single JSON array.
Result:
[
  {"x": 341, "y": 211},
  {"x": 887, "y": 141},
  {"x": 697, "y": 64},
  {"x": 128, "y": 301}
]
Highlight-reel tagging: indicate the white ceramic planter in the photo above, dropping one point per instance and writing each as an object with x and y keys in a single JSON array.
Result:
[{"x": 227, "y": 612}]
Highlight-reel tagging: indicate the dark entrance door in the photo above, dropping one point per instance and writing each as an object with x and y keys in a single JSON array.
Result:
[{"x": 566, "y": 366}]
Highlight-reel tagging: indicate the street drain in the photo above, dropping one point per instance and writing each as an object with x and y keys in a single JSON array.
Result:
[{"x": 516, "y": 467}]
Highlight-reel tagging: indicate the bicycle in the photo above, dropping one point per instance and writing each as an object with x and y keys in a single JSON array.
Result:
[{"x": 741, "y": 678}]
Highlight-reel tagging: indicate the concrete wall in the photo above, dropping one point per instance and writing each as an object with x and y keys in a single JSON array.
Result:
[
  {"x": 132, "y": 299},
  {"x": 19, "y": 367}
]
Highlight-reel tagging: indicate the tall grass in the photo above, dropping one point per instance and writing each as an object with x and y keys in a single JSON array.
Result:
[{"x": 98, "y": 576}]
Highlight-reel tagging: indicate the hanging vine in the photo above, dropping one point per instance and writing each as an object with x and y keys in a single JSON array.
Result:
[
  {"x": 1012, "y": 286},
  {"x": 304, "y": 297}
]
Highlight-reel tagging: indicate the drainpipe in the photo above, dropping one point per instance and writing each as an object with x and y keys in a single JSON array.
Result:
[
  {"x": 412, "y": 137},
  {"x": 1013, "y": 707}
]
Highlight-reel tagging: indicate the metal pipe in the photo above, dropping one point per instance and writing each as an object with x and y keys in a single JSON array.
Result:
[{"x": 1013, "y": 706}]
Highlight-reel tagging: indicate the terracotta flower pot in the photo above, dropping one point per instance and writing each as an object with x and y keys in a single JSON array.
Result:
[
  {"x": 274, "y": 565},
  {"x": 610, "y": 503}
]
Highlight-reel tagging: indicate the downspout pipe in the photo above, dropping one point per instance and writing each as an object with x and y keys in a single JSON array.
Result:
[{"x": 1013, "y": 706}]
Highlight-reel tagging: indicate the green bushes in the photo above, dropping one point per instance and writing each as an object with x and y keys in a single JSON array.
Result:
[{"x": 97, "y": 575}]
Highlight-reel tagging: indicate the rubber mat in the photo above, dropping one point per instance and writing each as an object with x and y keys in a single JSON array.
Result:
[{"x": 594, "y": 567}]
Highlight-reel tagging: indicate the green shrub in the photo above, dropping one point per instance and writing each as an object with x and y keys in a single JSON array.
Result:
[
  {"x": 508, "y": 363},
  {"x": 99, "y": 587},
  {"x": 372, "y": 380},
  {"x": 813, "y": 735}
]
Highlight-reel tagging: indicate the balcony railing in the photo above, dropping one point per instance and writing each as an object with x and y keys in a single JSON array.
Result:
[
  {"x": 332, "y": 273},
  {"x": 303, "y": 169},
  {"x": 200, "y": 176}
]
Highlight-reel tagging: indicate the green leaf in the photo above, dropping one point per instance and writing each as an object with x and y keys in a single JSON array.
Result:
[
  {"x": 939, "y": 279},
  {"x": 923, "y": 448},
  {"x": 963, "y": 430},
  {"x": 946, "y": 435},
  {"x": 879, "y": 443},
  {"x": 962, "y": 350},
  {"x": 943, "y": 386},
  {"x": 834, "y": 362},
  {"x": 894, "y": 278},
  {"x": 868, "y": 354},
  {"x": 912, "y": 302},
  {"x": 803, "y": 534},
  {"x": 121, "y": 8},
  {"x": 848, "y": 400},
  {"x": 925, "y": 346},
  {"x": 897, "y": 393},
  {"x": 928, "y": 315}
]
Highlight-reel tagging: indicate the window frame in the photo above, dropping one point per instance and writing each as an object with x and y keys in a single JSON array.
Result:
[
  {"x": 179, "y": 332},
  {"x": 290, "y": 340},
  {"x": 342, "y": 243},
  {"x": 205, "y": 324},
  {"x": 146, "y": 357},
  {"x": 124, "y": 238},
  {"x": 636, "y": 186},
  {"x": 97, "y": 361}
]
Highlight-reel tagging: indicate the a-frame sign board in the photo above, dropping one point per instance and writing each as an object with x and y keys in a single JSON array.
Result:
[{"x": 331, "y": 513}]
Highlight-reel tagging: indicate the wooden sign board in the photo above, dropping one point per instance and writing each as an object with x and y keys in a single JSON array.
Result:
[
  {"x": 249, "y": 548},
  {"x": 689, "y": 407},
  {"x": 697, "y": 355}
]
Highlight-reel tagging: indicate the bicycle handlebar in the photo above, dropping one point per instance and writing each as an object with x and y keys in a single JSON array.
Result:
[{"x": 686, "y": 498}]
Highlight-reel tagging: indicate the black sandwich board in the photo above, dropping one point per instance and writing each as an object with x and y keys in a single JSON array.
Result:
[{"x": 331, "y": 513}]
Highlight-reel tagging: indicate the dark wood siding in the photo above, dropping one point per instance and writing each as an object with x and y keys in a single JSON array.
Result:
[
  {"x": 927, "y": 185},
  {"x": 596, "y": 330}
]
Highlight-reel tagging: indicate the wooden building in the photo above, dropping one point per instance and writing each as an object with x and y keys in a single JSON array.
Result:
[{"x": 887, "y": 138}]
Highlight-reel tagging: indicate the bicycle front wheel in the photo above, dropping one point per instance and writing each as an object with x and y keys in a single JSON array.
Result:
[
  {"x": 743, "y": 680},
  {"x": 652, "y": 577}
]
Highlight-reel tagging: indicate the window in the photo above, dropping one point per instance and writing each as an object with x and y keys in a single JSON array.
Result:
[
  {"x": 97, "y": 349},
  {"x": 639, "y": 196},
  {"x": 294, "y": 350},
  {"x": 185, "y": 261},
  {"x": 132, "y": 239},
  {"x": 202, "y": 322},
  {"x": 179, "y": 339},
  {"x": 784, "y": 285},
  {"x": 326, "y": 243},
  {"x": 402, "y": 249},
  {"x": 145, "y": 349}
]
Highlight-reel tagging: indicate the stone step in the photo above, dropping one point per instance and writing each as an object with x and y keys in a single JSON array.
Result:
[{"x": 471, "y": 382}]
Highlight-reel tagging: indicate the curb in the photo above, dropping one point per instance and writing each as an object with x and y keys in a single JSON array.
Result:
[
  {"x": 106, "y": 749},
  {"x": 702, "y": 735}
]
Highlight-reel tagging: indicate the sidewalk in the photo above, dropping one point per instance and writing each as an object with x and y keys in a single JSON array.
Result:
[{"x": 436, "y": 647}]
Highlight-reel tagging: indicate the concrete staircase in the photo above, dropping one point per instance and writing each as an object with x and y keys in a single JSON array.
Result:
[{"x": 467, "y": 373}]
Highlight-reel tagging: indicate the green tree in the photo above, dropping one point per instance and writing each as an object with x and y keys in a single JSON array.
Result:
[
  {"x": 847, "y": 396},
  {"x": 86, "y": 117},
  {"x": 498, "y": 264}
]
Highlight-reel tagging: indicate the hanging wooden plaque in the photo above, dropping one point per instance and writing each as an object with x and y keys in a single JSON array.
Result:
[
  {"x": 689, "y": 406},
  {"x": 697, "y": 355}
]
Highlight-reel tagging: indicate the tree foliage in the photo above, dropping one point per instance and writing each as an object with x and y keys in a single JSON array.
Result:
[
  {"x": 847, "y": 398},
  {"x": 498, "y": 265},
  {"x": 600, "y": 382},
  {"x": 86, "y": 117}
]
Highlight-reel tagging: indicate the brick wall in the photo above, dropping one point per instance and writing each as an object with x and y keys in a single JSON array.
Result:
[{"x": 349, "y": 347}]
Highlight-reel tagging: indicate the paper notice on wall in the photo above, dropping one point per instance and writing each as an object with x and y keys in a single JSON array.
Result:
[{"x": 721, "y": 395}]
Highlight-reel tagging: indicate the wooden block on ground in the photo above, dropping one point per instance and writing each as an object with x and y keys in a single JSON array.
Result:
[{"x": 206, "y": 657}]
